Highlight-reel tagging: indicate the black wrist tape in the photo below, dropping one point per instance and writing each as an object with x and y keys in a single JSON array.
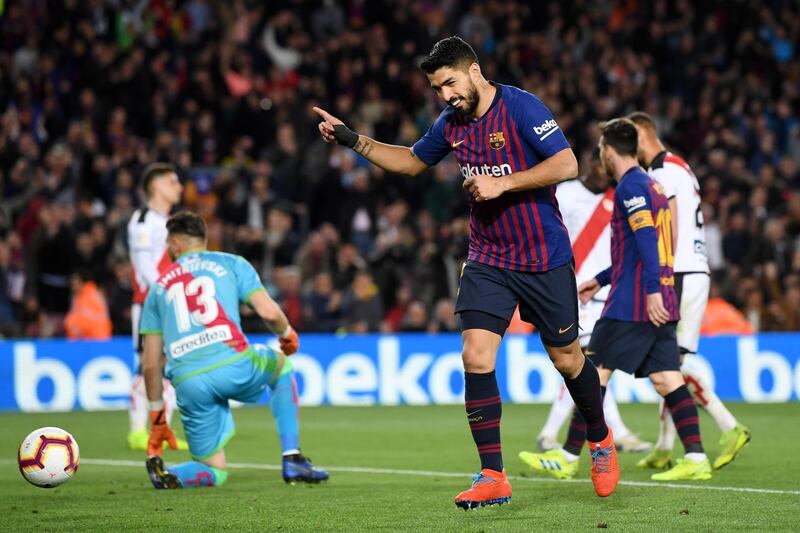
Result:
[{"x": 344, "y": 135}]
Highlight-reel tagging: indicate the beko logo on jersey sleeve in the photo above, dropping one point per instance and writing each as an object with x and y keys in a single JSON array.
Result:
[
  {"x": 547, "y": 127},
  {"x": 635, "y": 203}
]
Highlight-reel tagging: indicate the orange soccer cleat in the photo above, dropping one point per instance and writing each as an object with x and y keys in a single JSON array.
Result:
[
  {"x": 489, "y": 487},
  {"x": 605, "y": 466}
]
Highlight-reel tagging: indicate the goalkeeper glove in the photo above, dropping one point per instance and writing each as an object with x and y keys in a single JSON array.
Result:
[
  {"x": 160, "y": 432},
  {"x": 289, "y": 341}
]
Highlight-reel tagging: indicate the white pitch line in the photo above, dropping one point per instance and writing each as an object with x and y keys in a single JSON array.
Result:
[{"x": 430, "y": 473}]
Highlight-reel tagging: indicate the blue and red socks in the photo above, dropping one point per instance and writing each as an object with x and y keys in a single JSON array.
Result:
[
  {"x": 194, "y": 475},
  {"x": 587, "y": 394},
  {"x": 684, "y": 414},
  {"x": 284, "y": 404},
  {"x": 484, "y": 408}
]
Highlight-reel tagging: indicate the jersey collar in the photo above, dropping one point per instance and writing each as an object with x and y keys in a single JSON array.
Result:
[
  {"x": 499, "y": 89},
  {"x": 658, "y": 160},
  {"x": 191, "y": 251},
  {"x": 634, "y": 168}
]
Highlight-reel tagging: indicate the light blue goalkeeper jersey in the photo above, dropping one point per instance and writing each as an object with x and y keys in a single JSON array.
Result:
[{"x": 194, "y": 306}]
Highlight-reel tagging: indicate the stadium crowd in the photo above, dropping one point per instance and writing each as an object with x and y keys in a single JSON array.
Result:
[{"x": 93, "y": 90}]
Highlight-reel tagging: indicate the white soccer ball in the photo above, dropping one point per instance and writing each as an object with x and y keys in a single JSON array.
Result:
[{"x": 48, "y": 457}]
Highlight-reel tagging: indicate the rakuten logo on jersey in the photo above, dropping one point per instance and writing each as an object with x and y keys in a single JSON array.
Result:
[
  {"x": 485, "y": 170},
  {"x": 545, "y": 127}
]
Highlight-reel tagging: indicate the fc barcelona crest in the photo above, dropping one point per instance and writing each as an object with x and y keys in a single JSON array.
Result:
[{"x": 497, "y": 140}]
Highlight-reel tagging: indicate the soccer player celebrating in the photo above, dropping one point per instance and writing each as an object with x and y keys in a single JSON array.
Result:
[
  {"x": 147, "y": 246},
  {"x": 511, "y": 153},
  {"x": 192, "y": 315},
  {"x": 636, "y": 333},
  {"x": 692, "y": 280},
  {"x": 586, "y": 205}
]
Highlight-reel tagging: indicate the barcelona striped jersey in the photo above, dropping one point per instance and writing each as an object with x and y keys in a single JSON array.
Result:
[
  {"x": 523, "y": 230},
  {"x": 641, "y": 250}
]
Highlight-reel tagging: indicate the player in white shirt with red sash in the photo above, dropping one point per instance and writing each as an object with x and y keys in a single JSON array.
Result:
[{"x": 147, "y": 246}]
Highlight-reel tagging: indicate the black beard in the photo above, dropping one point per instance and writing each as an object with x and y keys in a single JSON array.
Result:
[{"x": 470, "y": 103}]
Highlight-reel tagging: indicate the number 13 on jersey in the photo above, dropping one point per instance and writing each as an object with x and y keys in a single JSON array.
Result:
[{"x": 205, "y": 309}]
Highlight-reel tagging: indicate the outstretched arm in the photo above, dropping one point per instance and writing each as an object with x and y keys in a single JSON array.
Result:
[{"x": 393, "y": 158}]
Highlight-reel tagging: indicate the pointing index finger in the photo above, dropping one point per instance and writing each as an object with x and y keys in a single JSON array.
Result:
[{"x": 321, "y": 112}]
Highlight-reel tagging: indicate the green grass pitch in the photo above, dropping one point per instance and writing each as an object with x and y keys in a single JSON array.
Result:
[{"x": 432, "y": 445}]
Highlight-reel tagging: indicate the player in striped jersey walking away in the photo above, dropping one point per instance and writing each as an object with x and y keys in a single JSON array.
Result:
[
  {"x": 586, "y": 205},
  {"x": 512, "y": 153},
  {"x": 636, "y": 333},
  {"x": 692, "y": 281}
]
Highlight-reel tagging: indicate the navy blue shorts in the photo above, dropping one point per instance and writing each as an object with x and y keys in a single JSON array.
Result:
[
  {"x": 638, "y": 348},
  {"x": 487, "y": 297}
]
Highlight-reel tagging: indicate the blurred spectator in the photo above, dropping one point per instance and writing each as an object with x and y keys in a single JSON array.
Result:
[
  {"x": 314, "y": 257},
  {"x": 280, "y": 239},
  {"x": 322, "y": 305},
  {"x": 120, "y": 293},
  {"x": 88, "y": 316},
  {"x": 445, "y": 319},
  {"x": 9, "y": 276},
  {"x": 288, "y": 282},
  {"x": 722, "y": 318},
  {"x": 416, "y": 319},
  {"x": 362, "y": 307},
  {"x": 393, "y": 319},
  {"x": 348, "y": 263}
]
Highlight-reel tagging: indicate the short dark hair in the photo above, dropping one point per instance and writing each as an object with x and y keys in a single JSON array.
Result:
[
  {"x": 153, "y": 171},
  {"x": 640, "y": 118},
  {"x": 449, "y": 52},
  {"x": 621, "y": 135},
  {"x": 187, "y": 223}
]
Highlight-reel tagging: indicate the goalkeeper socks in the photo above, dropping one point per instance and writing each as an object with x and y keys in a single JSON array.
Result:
[
  {"x": 588, "y": 397},
  {"x": 194, "y": 474},
  {"x": 484, "y": 408},
  {"x": 578, "y": 428},
  {"x": 283, "y": 401},
  {"x": 684, "y": 415}
]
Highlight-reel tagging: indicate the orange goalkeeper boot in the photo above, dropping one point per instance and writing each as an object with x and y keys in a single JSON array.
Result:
[
  {"x": 489, "y": 487},
  {"x": 605, "y": 466}
]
